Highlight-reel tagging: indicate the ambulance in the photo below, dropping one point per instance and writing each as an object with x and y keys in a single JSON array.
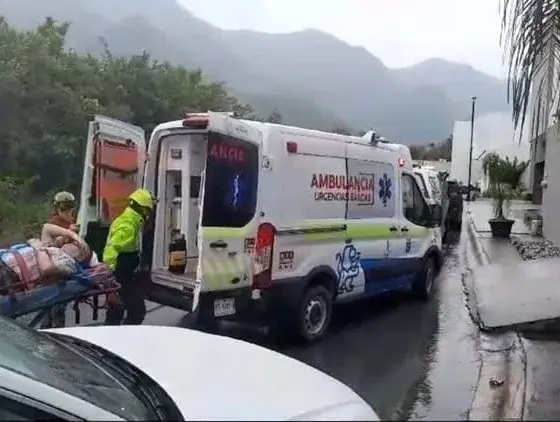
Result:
[{"x": 279, "y": 223}]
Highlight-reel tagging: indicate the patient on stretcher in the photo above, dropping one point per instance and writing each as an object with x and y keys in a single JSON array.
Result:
[
  {"x": 70, "y": 242},
  {"x": 43, "y": 272},
  {"x": 59, "y": 253}
]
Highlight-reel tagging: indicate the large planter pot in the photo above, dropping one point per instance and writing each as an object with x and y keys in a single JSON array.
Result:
[{"x": 501, "y": 228}]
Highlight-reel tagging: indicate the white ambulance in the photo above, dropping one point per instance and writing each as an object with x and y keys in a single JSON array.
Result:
[{"x": 279, "y": 222}]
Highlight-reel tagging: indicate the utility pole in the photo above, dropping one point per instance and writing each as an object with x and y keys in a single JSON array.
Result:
[{"x": 471, "y": 148}]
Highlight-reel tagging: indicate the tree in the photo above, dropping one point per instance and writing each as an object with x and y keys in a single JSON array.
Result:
[
  {"x": 48, "y": 94},
  {"x": 531, "y": 39},
  {"x": 433, "y": 151},
  {"x": 275, "y": 117}
]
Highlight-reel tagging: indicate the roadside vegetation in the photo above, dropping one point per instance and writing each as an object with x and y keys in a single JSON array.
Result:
[
  {"x": 48, "y": 95},
  {"x": 504, "y": 176}
]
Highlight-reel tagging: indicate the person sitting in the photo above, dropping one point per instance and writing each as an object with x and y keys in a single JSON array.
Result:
[
  {"x": 64, "y": 210},
  {"x": 62, "y": 216}
]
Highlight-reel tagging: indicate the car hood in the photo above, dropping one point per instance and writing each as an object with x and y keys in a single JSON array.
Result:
[{"x": 213, "y": 377}]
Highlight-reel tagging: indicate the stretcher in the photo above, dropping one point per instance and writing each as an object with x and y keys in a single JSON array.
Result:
[{"x": 84, "y": 287}]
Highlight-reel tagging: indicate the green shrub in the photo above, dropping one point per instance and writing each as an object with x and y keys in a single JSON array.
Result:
[{"x": 21, "y": 213}]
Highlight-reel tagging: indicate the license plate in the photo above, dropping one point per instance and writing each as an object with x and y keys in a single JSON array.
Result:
[{"x": 224, "y": 307}]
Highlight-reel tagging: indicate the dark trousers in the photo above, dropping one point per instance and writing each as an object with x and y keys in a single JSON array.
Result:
[
  {"x": 55, "y": 318},
  {"x": 131, "y": 293}
]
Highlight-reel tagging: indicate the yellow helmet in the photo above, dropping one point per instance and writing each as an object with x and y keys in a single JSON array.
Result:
[{"x": 143, "y": 197}]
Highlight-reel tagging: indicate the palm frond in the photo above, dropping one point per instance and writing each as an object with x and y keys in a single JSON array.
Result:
[{"x": 530, "y": 35}]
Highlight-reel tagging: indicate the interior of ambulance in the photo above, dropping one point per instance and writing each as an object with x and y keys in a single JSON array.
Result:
[{"x": 192, "y": 165}]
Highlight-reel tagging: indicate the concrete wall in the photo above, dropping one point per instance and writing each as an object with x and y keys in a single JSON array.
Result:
[
  {"x": 544, "y": 100},
  {"x": 543, "y": 103},
  {"x": 551, "y": 194},
  {"x": 493, "y": 132}
]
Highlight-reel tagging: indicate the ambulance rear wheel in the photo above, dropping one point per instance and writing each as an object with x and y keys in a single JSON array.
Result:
[{"x": 314, "y": 314}]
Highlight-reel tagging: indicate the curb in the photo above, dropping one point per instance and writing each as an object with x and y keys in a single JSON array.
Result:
[
  {"x": 480, "y": 252},
  {"x": 501, "y": 386}
]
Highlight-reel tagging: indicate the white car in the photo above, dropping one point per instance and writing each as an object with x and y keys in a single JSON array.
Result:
[{"x": 160, "y": 373}]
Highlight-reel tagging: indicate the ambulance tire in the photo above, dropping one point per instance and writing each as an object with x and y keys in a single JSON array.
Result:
[
  {"x": 424, "y": 284},
  {"x": 314, "y": 313}
]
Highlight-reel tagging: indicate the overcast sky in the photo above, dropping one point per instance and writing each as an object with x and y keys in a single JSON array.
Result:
[{"x": 399, "y": 32}]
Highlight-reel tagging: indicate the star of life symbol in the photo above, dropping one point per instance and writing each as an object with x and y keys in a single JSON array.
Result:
[{"x": 385, "y": 186}]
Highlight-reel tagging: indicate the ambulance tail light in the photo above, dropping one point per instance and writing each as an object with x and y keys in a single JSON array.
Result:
[{"x": 264, "y": 249}]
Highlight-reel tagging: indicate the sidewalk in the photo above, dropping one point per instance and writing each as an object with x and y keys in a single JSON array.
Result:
[
  {"x": 482, "y": 211},
  {"x": 513, "y": 301},
  {"x": 511, "y": 294}
]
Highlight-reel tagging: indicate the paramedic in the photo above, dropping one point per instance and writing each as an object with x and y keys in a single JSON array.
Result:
[
  {"x": 121, "y": 253},
  {"x": 64, "y": 208}
]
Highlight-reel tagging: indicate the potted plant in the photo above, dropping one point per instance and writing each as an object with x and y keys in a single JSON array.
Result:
[{"x": 504, "y": 179}]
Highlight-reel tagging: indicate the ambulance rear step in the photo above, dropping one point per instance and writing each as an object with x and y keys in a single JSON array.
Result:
[{"x": 172, "y": 290}]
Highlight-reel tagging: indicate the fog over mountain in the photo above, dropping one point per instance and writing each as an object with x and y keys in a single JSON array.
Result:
[{"x": 312, "y": 78}]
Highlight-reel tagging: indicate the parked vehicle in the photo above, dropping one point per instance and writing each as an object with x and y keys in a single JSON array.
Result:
[
  {"x": 148, "y": 373},
  {"x": 263, "y": 222},
  {"x": 453, "y": 206},
  {"x": 429, "y": 183}
]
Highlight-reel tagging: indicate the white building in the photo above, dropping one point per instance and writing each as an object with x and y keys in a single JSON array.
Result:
[
  {"x": 544, "y": 133},
  {"x": 493, "y": 132}
]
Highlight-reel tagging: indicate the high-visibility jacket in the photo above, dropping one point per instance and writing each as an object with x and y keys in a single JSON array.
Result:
[{"x": 124, "y": 236}]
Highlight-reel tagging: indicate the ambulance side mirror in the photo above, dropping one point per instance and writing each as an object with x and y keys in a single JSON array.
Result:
[{"x": 435, "y": 215}]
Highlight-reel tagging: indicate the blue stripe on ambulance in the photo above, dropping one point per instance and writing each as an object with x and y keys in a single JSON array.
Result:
[{"x": 384, "y": 274}]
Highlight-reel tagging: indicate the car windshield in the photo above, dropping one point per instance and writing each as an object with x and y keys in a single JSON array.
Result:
[{"x": 37, "y": 356}]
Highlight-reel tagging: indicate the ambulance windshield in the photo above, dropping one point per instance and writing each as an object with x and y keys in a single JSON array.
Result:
[{"x": 230, "y": 192}]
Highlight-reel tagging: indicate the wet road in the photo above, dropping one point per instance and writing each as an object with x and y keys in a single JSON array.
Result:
[{"x": 408, "y": 359}]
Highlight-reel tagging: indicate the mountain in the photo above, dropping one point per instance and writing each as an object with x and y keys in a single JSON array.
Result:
[
  {"x": 312, "y": 78},
  {"x": 459, "y": 82}
]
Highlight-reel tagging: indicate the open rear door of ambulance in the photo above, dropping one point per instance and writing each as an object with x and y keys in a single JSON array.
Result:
[
  {"x": 230, "y": 214},
  {"x": 113, "y": 169}
]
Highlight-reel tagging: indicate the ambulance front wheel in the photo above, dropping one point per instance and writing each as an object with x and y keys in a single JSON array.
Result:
[
  {"x": 424, "y": 283},
  {"x": 314, "y": 314}
]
